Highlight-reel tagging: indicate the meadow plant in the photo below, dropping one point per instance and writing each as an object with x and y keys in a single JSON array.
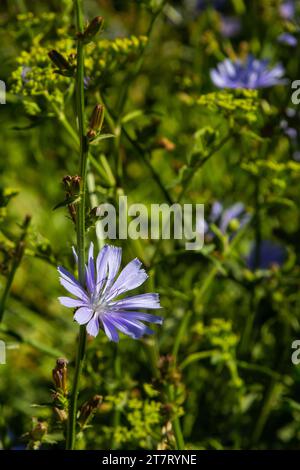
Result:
[{"x": 154, "y": 102}]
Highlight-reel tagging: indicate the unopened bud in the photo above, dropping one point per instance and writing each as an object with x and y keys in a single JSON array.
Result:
[
  {"x": 27, "y": 220},
  {"x": 63, "y": 66},
  {"x": 93, "y": 29},
  {"x": 234, "y": 225},
  {"x": 96, "y": 121},
  {"x": 59, "y": 375},
  {"x": 59, "y": 60},
  {"x": 89, "y": 408}
]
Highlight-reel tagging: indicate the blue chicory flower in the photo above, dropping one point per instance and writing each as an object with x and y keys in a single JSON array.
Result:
[
  {"x": 288, "y": 39},
  {"x": 270, "y": 254},
  {"x": 287, "y": 9},
  {"x": 251, "y": 73},
  {"x": 97, "y": 302}
]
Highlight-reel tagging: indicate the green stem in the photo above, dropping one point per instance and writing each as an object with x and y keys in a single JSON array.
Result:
[
  {"x": 146, "y": 157},
  {"x": 90, "y": 180},
  {"x": 117, "y": 412},
  {"x": 181, "y": 332},
  {"x": 187, "y": 318},
  {"x": 7, "y": 288},
  {"x": 199, "y": 356},
  {"x": 143, "y": 154},
  {"x": 31, "y": 342},
  {"x": 247, "y": 335},
  {"x": 64, "y": 122},
  {"x": 16, "y": 263},
  {"x": 214, "y": 150},
  {"x": 124, "y": 92},
  {"x": 180, "y": 445},
  {"x": 178, "y": 434},
  {"x": 199, "y": 294},
  {"x": 189, "y": 180},
  {"x": 80, "y": 219}
]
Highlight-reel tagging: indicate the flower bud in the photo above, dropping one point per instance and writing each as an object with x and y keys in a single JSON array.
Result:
[
  {"x": 89, "y": 408},
  {"x": 26, "y": 222},
  {"x": 59, "y": 375},
  {"x": 63, "y": 66},
  {"x": 93, "y": 28},
  {"x": 96, "y": 121},
  {"x": 234, "y": 225},
  {"x": 59, "y": 60}
]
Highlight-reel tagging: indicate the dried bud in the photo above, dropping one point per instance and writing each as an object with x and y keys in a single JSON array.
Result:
[
  {"x": 93, "y": 28},
  {"x": 165, "y": 362},
  {"x": 89, "y": 408},
  {"x": 59, "y": 375},
  {"x": 76, "y": 184},
  {"x": 66, "y": 181},
  {"x": 96, "y": 121},
  {"x": 72, "y": 184}
]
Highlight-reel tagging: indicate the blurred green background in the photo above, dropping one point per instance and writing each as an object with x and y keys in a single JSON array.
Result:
[{"x": 221, "y": 363}]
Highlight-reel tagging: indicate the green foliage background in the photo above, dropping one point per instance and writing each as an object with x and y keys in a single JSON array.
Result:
[{"x": 175, "y": 138}]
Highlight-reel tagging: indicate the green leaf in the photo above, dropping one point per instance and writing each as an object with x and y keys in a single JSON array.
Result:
[
  {"x": 6, "y": 194},
  {"x": 132, "y": 115},
  {"x": 67, "y": 202},
  {"x": 101, "y": 137}
]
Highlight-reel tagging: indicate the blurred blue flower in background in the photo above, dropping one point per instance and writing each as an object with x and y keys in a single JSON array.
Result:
[
  {"x": 230, "y": 26},
  {"x": 24, "y": 73},
  {"x": 231, "y": 219},
  {"x": 289, "y": 126},
  {"x": 270, "y": 254},
  {"x": 288, "y": 39},
  {"x": 251, "y": 73},
  {"x": 287, "y": 9}
]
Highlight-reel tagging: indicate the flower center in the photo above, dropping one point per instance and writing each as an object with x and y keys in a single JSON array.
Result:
[{"x": 99, "y": 306}]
